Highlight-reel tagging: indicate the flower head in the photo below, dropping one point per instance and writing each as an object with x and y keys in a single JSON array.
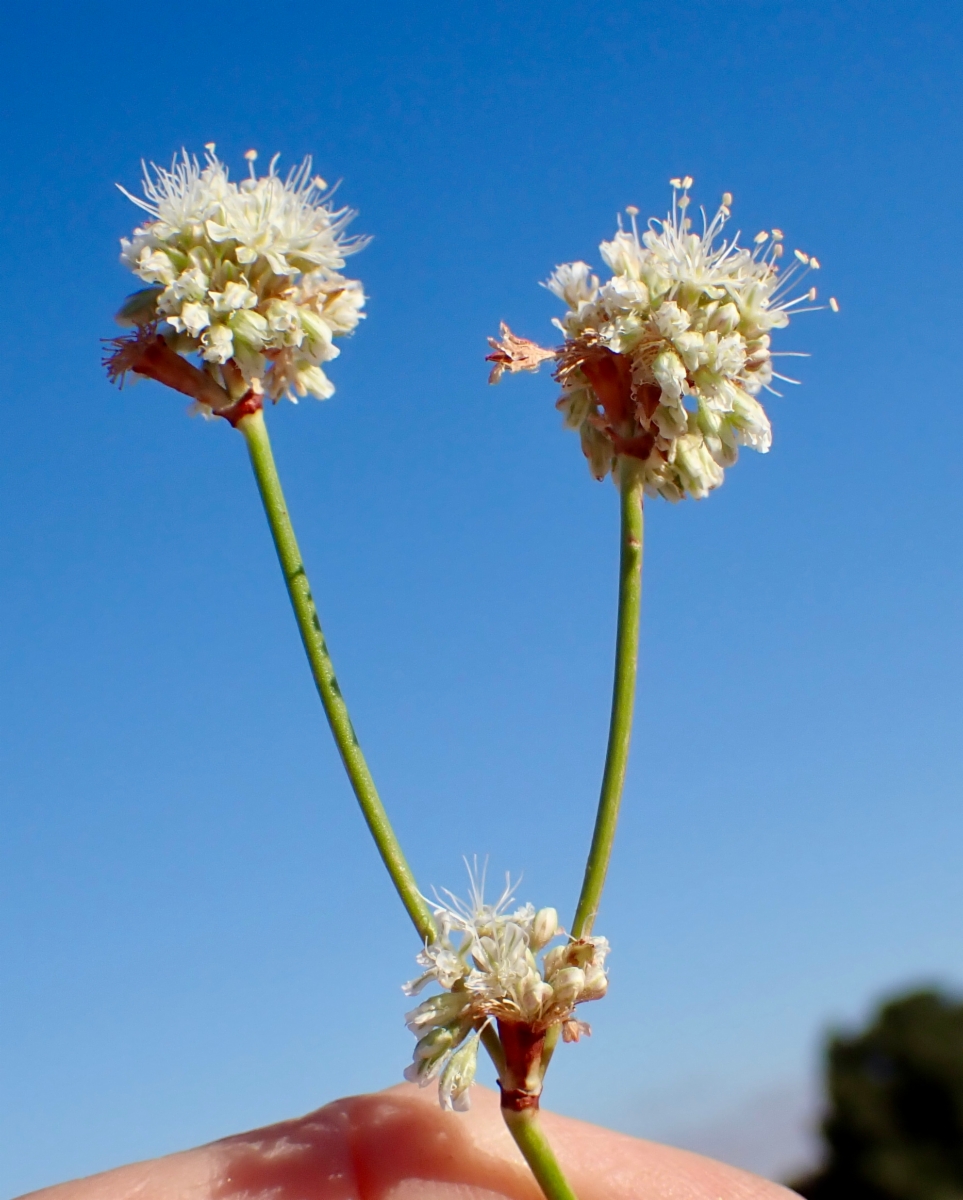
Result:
[
  {"x": 492, "y": 962},
  {"x": 663, "y": 362},
  {"x": 244, "y": 275}
]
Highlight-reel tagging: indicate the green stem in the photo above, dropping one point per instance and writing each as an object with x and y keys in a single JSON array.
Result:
[
  {"x": 492, "y": 1043},
  {"x": 526, "y": 1129},
  {"x": 269, "y": 485},
  {"x": 551, "y": 1041},
  {"x": 623, "y": 697}
]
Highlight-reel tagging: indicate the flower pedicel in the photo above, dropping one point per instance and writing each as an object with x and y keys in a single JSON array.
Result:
[{"x": 660, "y": 369}]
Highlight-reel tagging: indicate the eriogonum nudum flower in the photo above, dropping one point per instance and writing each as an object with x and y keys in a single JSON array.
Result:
[
  {"x": 493, "y": 965},
  {"x": 663, "y": 362},
  {"x": 244, "y": 275}
]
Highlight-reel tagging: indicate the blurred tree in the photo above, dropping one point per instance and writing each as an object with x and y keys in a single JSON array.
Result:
[{"x": 894, "y": 1130}]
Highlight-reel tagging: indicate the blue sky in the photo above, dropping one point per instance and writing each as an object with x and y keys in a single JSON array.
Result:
[{"x": 195, "y": 935}]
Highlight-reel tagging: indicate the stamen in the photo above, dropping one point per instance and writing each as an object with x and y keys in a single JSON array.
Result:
[
  {"x": 802, "y": 256},
  {"x": 727, "y": 199},
  {"x": 834, "y": 304},
  {"x": 761, "y": 237}
]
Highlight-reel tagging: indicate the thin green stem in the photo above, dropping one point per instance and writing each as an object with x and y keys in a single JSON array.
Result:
[
  {"x": 492, "y": 1043},
  {"x": 623, "y": 697},
  {"x": 526, "y": 1129},
  {"x": 551, "y": 1042},
  {"x": 269, "y": 485}
]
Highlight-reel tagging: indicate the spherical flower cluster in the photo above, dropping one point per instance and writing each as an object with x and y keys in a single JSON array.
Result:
[
  {"x": 662, "y": 363},
  {"x": 487, "y": 961},
  {"x": 245, "y": 275}
]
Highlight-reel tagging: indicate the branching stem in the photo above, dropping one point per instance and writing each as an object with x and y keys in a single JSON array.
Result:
[{"x": 523, "y": 1125}]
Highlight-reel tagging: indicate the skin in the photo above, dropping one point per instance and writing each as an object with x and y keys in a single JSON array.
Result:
[{"x": 399, "y": 1145}]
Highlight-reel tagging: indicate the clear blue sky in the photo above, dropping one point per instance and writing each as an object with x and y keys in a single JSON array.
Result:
[{"x": 195, "y": 935}]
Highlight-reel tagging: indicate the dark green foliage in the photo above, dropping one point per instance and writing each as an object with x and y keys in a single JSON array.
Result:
[{"x": 895, "y": 1125}]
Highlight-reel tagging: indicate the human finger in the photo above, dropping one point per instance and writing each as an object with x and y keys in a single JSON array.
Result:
[{"x": 399, "y": 1145}]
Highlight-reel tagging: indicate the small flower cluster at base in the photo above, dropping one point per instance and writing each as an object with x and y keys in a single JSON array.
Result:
[
  {"x": 244, "y": 275},
  {"x": 663, "y": 362},
  {"x": 487, "y": 961}
]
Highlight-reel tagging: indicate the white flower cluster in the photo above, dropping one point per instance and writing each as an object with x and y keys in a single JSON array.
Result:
[
  {"x": 487, "y": 961},
  {"x": 245, "y": 273},
  {"x": 662, "y": 362}
]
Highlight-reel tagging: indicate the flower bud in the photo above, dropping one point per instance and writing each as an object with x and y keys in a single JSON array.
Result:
[
  {"x": 596, "y": 984},
  {"x": 554, "y": 959},
  {"x": 533, "y": 994},
  {"x": 458, "y": 1076},
  {"x": 438, "y": 1010},
  {"x": 726, "y": 318},
  {"x": 317, "y": 331},
  {"x": 568, "y": 985},
  {"x": 435, "y": 1043},
  {"x": 250, "y": 327},
  {"x": 544, "y": 928}
]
